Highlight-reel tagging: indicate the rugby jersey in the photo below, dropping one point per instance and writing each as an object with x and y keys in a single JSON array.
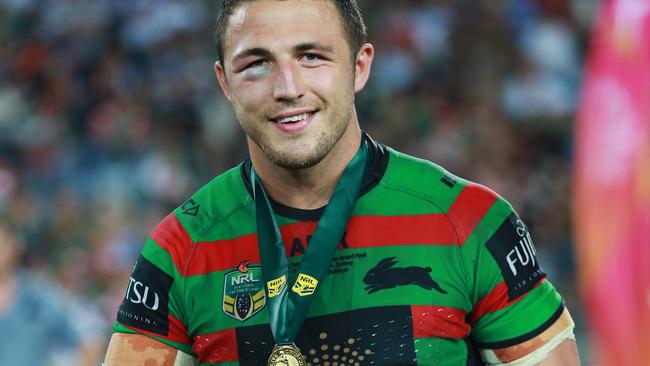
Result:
[{"x": 430, "y": 269}]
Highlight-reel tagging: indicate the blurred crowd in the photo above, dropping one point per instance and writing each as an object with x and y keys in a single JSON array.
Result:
[{"x": 110, "y": 116}]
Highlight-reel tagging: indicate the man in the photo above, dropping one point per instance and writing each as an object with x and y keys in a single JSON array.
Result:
[{"x": 392, "y": 260}]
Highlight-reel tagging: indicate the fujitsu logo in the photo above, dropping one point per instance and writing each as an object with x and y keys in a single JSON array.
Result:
[
  {"x": 524, "y": 251},
  {"x": 139, "y": 293}
]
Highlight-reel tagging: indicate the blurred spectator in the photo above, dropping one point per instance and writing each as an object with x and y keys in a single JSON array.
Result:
[{"x": 39, "y": 325}]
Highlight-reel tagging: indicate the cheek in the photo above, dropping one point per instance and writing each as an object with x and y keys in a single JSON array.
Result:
[
  {"x": 248, "y": 95},
  {"x": 330, "y": 84}
]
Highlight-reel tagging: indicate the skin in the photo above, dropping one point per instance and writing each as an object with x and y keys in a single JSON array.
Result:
[
  {"x": 267, "y": 69},
  {"x": 136, "y": 349},
  {"x": 566, "y": 353}
]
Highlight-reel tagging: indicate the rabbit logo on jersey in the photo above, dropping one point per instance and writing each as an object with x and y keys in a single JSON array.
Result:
[
  {"x": 243, "y": 291},
  {"x": 384, "y": 276}
]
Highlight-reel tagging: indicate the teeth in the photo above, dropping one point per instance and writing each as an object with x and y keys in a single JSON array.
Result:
[{"x": 297, "y": 118}]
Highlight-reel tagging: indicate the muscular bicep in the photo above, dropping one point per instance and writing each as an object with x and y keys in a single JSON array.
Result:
[{"x": 137, "y": 349}]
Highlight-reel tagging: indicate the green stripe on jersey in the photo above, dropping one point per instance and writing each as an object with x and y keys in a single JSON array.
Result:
[
  {"x": 216, "y": 202},
  {"x": 536, "y": 307},
  {"x": 391, "y": 201},
  {"x": 440, "y": 351},
  {"x": 420, "y": 178},
  {"x": 346, "y": 290},
  {"x": 239, "y": 222}
]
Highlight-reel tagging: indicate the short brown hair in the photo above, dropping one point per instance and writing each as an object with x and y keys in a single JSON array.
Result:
[{"x": 353, "y": 24}]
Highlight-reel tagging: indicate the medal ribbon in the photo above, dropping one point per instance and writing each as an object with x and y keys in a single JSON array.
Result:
[{"x": 287, "y": 308}]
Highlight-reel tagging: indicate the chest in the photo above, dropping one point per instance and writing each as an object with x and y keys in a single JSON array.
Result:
[{"x": 388, "y": 292}]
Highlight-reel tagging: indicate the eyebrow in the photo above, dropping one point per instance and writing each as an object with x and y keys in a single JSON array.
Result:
[
  {"x": 263, "y": 52},
  {"x": 256, "y": 51},
  {"x": 313, "y": 46}
]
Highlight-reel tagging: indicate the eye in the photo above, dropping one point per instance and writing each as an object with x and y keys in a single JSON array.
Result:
[
  {"x": 311, "y": 57},
  {"x": 258, "y": 63}
]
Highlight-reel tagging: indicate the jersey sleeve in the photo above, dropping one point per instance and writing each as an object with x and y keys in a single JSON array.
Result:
[
  {"x": 512, "y": 300},
  {"x": 153, "y": 302}
]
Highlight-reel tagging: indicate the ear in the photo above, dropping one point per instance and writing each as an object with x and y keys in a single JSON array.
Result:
[
  {"x": 221, "y": 77},
  {"x": 362, "y": 66}
]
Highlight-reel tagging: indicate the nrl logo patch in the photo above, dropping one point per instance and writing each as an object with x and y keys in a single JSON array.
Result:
[
  {"x": 277, "y": 285},
  {"x": 243, "y": 291},
  {"x": 305, "y": 285}
]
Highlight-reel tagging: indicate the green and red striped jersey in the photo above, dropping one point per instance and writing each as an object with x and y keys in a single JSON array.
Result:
[{"x": 430, "y": 269}]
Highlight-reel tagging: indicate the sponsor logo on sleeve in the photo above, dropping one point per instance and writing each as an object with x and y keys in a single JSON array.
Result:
[
  {"x": 145, "y": 303},
  {"x": 512, "y": 247},
  {"x": 243, "y": 292}
]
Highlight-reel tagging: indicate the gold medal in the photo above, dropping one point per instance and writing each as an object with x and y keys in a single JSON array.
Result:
[{"x": 286, "y": 355}]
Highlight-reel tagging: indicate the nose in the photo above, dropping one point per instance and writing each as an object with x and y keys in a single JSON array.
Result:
[{"x": 288, "y": 85}]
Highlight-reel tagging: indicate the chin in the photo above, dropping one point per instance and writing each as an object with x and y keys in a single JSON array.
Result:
[
  {"x": 294, "y": 162},
  {"x": 299, "y": 152}
]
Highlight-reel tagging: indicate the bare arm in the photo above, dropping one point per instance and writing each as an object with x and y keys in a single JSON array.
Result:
[
  {"x": 565, "y": 354},
  {"x": 553, "y": 347},
  {"x": 136, "y": 349}
]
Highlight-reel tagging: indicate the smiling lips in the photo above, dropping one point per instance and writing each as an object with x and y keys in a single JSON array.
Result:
[
  {"x": 295, "y": 118},
  {"x": 293, "y": 121}
]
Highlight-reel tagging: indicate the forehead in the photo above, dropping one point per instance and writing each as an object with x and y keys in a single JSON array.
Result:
[{"x": 273, "y": 23}]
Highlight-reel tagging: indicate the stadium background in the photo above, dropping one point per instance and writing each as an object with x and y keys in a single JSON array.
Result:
[{"x": 110, "y": 116}]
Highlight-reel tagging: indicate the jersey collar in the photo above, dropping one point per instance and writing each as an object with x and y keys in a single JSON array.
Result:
[{"x": 377, "y": 164}]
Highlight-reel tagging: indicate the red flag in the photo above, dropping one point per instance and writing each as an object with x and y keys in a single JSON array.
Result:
[{"x": 612, "y": 184}]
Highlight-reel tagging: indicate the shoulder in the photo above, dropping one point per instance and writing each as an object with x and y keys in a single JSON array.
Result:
[
  {"x": 418, "y": 186},
  {"x": 186, "y": 225},
  {"x": 211, "y": 203},
  {"x": 453, "y": 195}
]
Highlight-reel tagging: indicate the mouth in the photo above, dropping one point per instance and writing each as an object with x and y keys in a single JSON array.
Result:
[{"x": 293, "y": 121}]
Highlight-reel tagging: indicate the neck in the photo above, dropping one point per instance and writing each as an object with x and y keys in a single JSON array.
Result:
[{"x": 308, "y": 188}]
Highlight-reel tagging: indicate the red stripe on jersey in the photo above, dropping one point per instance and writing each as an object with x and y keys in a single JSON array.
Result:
[
  {"x": 377, "y": 231},
  {"x": 496, "y": 300},
  {"x": 470, "y": 206},
  {"x": 362, "y": 232},
  {"x": 216, "y": 347},
  {"x": 177, "y": 331},
  {"x": 219, "y": 255},
  {"x": 173, "y": 238},
  {"x": 439, "y": 321}
]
